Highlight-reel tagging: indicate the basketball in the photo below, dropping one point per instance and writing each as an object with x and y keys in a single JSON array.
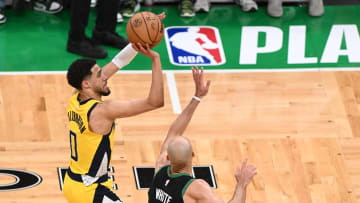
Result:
[{"x": 145, "y": 27}]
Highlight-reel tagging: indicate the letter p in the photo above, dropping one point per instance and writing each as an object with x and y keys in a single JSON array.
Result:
[{"x": 249, "y": 42}]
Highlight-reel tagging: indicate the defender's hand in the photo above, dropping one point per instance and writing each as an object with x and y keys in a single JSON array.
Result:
[
  {"x": 245, "y": 174},
  {"x": 201, "y": 89}
]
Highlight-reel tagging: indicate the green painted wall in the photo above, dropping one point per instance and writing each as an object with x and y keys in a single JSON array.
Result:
[{"x": 33, "y": 41}]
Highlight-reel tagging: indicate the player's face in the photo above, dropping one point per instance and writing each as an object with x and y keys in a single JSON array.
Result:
[{"x": 99, "y": 81}]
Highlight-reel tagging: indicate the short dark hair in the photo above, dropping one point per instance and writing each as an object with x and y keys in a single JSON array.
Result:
[{"x": 78, "y": 70}]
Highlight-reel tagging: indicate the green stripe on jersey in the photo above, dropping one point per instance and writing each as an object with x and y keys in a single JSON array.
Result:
[{"x": 186, "y": 186}]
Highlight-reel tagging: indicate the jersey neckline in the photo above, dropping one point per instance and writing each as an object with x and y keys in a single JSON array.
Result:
[
  {"x": 82, "y": 102},
  {"x": 175, "y": 175}
]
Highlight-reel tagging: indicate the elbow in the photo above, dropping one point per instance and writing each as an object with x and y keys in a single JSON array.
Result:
[
  {"x": 160, "y": 104},
  {"x": 157, "y": 104}
]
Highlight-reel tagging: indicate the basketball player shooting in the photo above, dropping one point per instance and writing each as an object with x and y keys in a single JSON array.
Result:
[
  {"x": 173, "y": 181},
  {"x": 91, "y": 123}
]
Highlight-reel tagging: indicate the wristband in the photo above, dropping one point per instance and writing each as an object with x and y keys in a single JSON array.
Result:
[
  {"x": 124, "y": 56},
  {"x": 196, "y": 98}
]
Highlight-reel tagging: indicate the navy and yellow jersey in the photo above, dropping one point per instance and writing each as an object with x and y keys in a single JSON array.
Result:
[
  {"x": 90, "y": 152},
  {"x": 76, "y": 192},
  {"x": 167, "y": 187}
]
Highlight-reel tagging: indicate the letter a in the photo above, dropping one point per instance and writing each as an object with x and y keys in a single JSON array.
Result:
[{"x": 333, "y": 49}]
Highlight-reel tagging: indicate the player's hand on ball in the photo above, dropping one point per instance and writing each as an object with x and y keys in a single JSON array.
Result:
[
  {"x": 146, "y": 51},
  {"x": 162, "y": 16}
]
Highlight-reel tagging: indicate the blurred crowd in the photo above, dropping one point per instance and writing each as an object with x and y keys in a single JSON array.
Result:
[
  {"x": 187, "y": 8},
  {"x": 111, "y": 12}
]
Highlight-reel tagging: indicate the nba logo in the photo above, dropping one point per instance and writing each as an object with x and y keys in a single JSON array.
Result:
[{"x": 194, "y": 45}]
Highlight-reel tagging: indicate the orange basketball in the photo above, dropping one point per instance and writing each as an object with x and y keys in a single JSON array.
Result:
[{"x": 145, "y": 27}]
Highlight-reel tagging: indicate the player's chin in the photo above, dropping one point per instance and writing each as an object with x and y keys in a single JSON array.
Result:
[{"x": 106, "y": 92}]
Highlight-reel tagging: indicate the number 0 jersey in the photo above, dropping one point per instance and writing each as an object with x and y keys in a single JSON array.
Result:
[{"x": 90, "y": 152}]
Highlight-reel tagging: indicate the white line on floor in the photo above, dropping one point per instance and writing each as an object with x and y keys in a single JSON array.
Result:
[{"x": 173, "y": 92}]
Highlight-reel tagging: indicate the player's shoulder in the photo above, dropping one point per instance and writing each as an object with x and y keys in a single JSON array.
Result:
[
  {"x": 200, "y": 184},
  {"x": 98, "y": 108},
  {"x": 201, "y": 191},
  {"x": 109, "y": 109},
  {"x": 104, "y": 107},
  {"x": 198, "y": 187}
]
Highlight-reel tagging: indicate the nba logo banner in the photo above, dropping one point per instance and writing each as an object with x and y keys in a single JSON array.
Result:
[{"x": 194, "y": 45}]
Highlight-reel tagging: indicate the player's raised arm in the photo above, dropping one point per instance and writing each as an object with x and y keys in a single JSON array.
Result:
[
  {"x": 123, "y": 58},
  {"x": 112, "y": 109},
  {"x": 179, "y": 125}
]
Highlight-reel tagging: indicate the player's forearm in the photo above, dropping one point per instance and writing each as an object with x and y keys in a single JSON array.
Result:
[
  {"x": 239, "y": 194},
  {"x": 109, "y": 70},
  {"x": 156, "y": 95},
  {"x": 178, "y": 127},
  {"x": 123, "y": 58},
  {"x": 183, "y": 120}
]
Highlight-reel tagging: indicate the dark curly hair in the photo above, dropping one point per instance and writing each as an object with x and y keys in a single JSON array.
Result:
[{"x": 78, "y": 70}]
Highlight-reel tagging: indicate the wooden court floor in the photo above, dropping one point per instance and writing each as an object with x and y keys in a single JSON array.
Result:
[{"x": 301, "y": 130}]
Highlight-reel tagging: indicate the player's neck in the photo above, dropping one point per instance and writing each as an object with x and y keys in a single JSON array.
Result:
[
  {"x": 186, "y": 169},
  {"x": 84, "y": 95}
]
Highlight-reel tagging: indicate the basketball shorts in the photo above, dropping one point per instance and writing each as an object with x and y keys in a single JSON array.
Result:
[{"x": 76, "y": 192}]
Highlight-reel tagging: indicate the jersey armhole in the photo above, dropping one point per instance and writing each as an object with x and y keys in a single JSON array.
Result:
[
  {"x": 90, "y": 110},
  {"x": 186, "y": 186},
  {"x": 88, "y": 119}
]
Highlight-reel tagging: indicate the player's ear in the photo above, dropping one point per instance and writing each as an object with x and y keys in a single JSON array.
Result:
[
  {"x": 167, "y": 157},
  {"x": 85, "y": 84},
  {"x": 192, "y": 154}
]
